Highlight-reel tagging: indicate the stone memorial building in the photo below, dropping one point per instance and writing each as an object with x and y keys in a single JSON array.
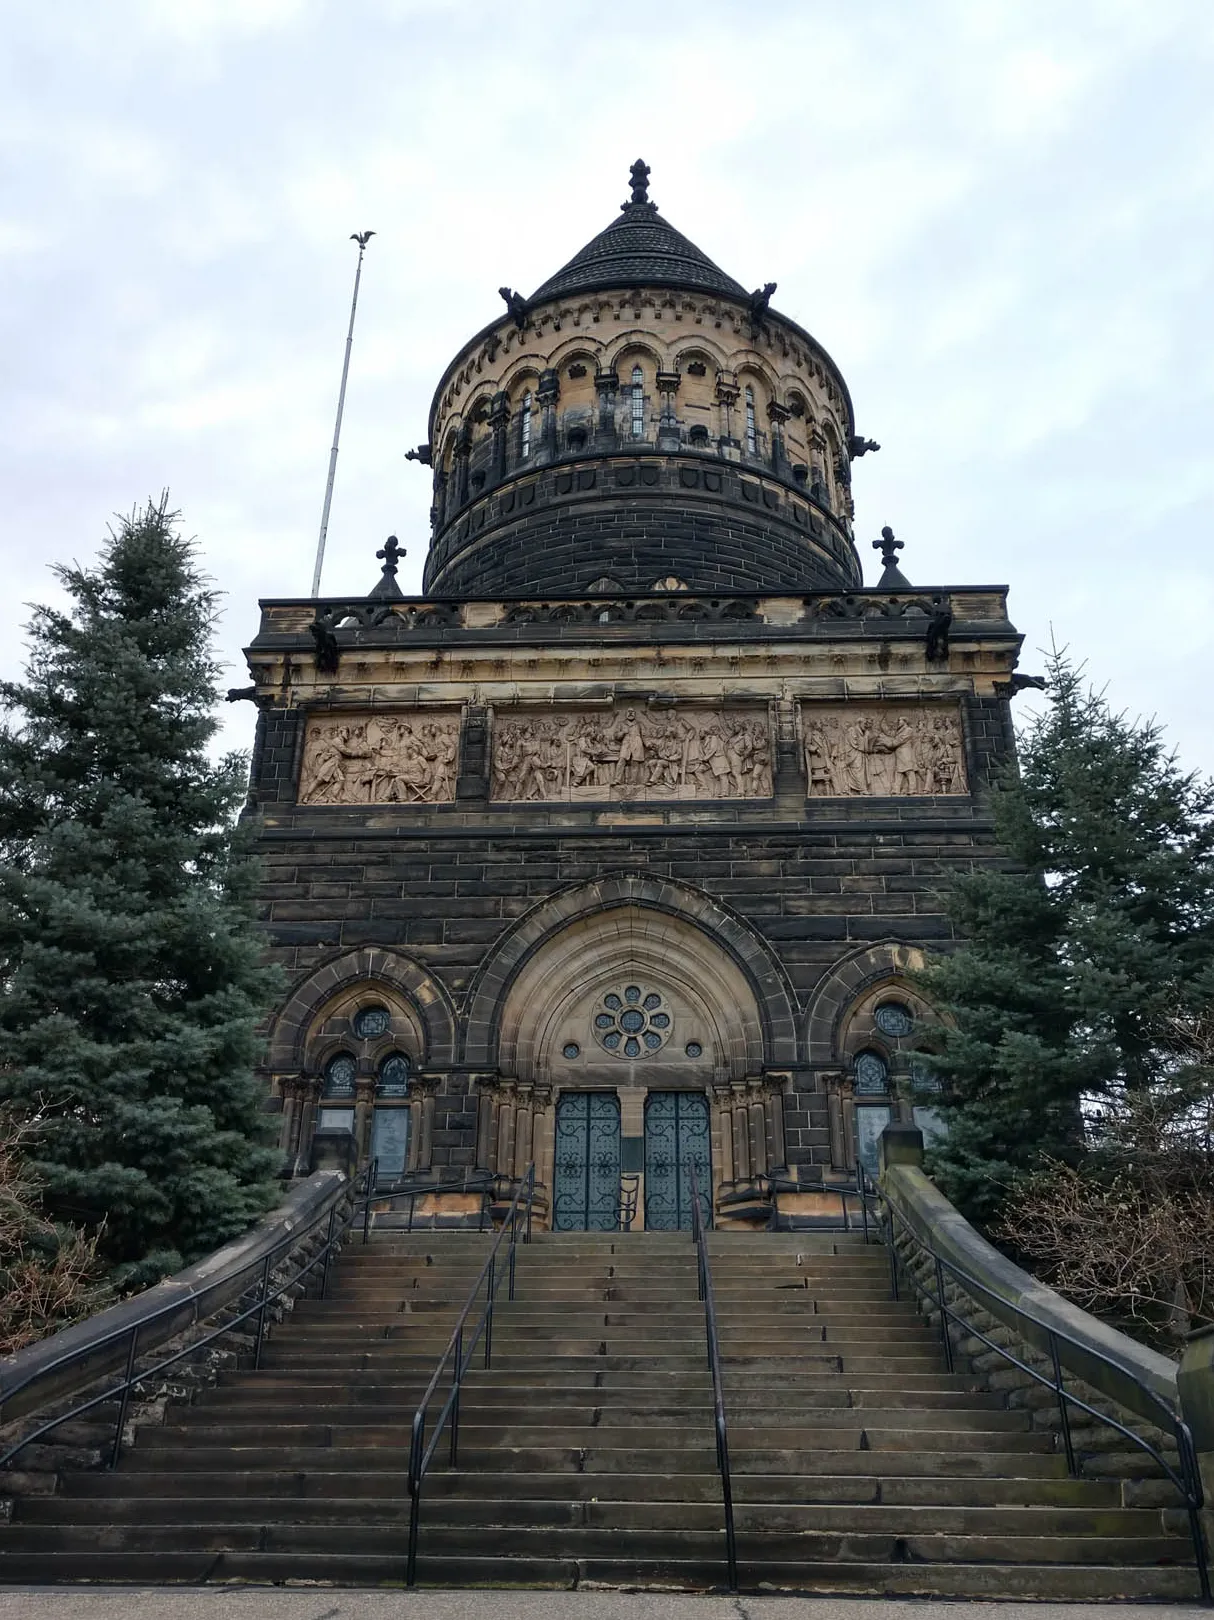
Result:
[{"x": 615, "y": 849}]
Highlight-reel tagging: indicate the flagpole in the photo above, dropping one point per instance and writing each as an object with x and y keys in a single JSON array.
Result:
[{"x": 362, "y": 238}]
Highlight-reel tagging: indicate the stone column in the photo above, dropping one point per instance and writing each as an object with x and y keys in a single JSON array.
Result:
[
  {"x": 668, "y": 425},
  {"x": 499, "y": 421},
  {"x": 779, "y": 456},
  {"x": 727, "y": 398},
  {"x": 364, "y": 1109},
  {"x": 463, "y": 450},
  {"x": 757, "y": 1119},
  {"x": 607, "y": 383},
  {"x": 548, "y": 394}
]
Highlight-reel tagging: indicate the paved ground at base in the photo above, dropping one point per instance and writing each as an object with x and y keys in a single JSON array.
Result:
[{"x": 260, "y": 1603}]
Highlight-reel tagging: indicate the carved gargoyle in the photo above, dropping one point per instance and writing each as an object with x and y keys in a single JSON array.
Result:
[
  {"x": 328, "y": 653},
  {"x": 856, "y": 446},
  {"x": 760, "y": 299},
  {"x": 423, "y": 453},
  {"x": 516, "y": 304},
  {"x": 937, "y": 634}
]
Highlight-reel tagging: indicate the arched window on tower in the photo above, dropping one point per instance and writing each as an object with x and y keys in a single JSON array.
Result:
[
  {"x": 752, "y": 437},
  {"x": 638, "y": 403},
  {"x": 525, "y": 427}
]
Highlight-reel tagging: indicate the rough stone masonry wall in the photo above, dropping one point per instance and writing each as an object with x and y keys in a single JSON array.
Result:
[{"x": 813, "y": 892}]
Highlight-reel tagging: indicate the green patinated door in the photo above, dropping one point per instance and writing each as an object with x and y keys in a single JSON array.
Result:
[
  {"x": 586, "y": 1176},
  {"x": 676, "y": 1137}
]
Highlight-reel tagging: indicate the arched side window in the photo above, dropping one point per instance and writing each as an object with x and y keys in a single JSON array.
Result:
[
  {"x": 638, "y": 403},
  {"x": 752, "y": 437},
  {"x": 525, "y": 427},
  {"x": 870, "y": 1073},
  {"x": 339, "y": 1076},
  {"x": 391, "y": 1120}
]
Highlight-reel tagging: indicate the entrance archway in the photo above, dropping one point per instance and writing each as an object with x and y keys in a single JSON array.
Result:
[{"x": 634, "y": 1016}]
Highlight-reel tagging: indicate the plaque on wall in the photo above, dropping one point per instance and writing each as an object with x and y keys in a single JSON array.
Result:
[
  {"x": 629, "y": 752},
  {"x": 882, "y": 750},
  {"x": 396, "y": 758}
]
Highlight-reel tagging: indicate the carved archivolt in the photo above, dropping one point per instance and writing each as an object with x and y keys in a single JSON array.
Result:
[
  {"x": 883, "y": 751},
  {"x": 632, "y": 753},
  {"x": 380, "y": 759}
]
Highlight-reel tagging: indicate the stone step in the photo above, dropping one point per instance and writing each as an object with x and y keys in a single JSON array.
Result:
[
  {"x": 571, "y": 1425},
  {"x": 1058, "y": 1582},
  {"x": 936, "y": 1490},
  {"x": 333, "y": 1403},
  {"x": 633, "y": 1512},
  {"x": 594, "y": 1541}
]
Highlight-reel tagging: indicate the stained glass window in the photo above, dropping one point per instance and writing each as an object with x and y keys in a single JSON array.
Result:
[
  {"x": 525, "y": 428},
  {"x": 339, "y": 1076},
  {"x": 893, "y": 1019},
  {"x": 638, "y": 403},
  {"x": 752, "y": 436},
  {"x": 632, "y": 1022},
  {"x": 394, "y": 1075},
  {"x": 871, "y": 1074},
  {"x": 370, "y": 1022}
]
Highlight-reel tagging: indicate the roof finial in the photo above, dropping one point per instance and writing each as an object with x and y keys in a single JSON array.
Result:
[
  {"x": 640, "y": 182},
  {"x": 893, "y": 578},
  {"x": 391, "y": 551}
]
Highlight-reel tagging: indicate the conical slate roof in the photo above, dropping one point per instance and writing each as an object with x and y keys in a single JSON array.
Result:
[{"x": 640, "y": 249}]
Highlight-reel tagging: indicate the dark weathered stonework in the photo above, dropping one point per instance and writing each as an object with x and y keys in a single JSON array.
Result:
[{"x": 586, "y": 579}]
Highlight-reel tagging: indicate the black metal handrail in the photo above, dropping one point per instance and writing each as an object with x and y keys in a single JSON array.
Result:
[
  {"x": 773, "y": 1186},
  {"x": 460, "y": 1349},
  {"x": 484, "y": 1183},
  {"x": 704, "y": 1285},
  {"x": 263, "y": 1298},
  {"x": 1187, "y": 1480}
]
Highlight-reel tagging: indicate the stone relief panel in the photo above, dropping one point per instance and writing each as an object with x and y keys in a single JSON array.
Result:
[
  {"x": 882, "y": 751},
  {"x": 632, "y": 753},
  {"x": 380, "y": 759}
]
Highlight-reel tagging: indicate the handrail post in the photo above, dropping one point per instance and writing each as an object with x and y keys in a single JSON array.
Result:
[
  {"x": 416, "y": 1449},
  {"x": 457, "y": 1384},
  {"x": 489, "y": 1313},
  {"x": 261, "y": 1315},
  {"x": 945, "y": 1335},
  {"x": 124, "y": 1403},
  {"x": 324, "y": 1275},
  {"x": 1063, "y": 1412}
]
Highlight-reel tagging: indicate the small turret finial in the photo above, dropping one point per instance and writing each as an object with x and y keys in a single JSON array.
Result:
[
  {"x": 391, "y": 552},
  {"x": 640, "y": 182},
  {"x": 892, "y": 579}
]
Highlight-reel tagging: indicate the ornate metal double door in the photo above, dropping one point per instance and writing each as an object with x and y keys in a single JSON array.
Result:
[
  {"x": 586, "y": 1173},
  {"x": 676, "y": 1137}
]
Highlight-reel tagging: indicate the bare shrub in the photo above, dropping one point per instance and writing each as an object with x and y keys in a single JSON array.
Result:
[{"x": 50, "y": 1275}]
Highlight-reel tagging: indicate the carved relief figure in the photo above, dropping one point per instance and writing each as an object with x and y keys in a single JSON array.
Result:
[
  {"x": 885, "y": 752},
  {"x": 384, "y": 759},
  {"x": 630, "y": 753}
]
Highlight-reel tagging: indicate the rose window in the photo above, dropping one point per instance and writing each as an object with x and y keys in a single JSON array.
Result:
[{"x": 632, "y": 1022}]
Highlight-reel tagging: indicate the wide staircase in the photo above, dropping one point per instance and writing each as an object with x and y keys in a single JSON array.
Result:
[{"x": 586, "y": 1450}]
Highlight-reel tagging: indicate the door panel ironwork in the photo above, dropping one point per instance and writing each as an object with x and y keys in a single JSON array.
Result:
[
  {"x": 676, "y": 1136},
  {"x": 586, "y": 1176}
]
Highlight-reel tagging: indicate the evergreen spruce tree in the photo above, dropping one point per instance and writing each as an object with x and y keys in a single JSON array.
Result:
[
  {"x": 131, "y": 979},
  {"x": 1083, "y": 954}
]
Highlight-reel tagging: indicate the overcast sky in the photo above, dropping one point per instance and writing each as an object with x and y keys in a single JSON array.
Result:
[{"x": 995, "y": 216}]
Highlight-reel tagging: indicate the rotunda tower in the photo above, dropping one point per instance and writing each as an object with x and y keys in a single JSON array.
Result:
[{"x": 641, "y": 423}]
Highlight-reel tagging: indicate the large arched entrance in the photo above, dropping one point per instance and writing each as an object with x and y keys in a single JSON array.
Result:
[{"x": 630, "y": 1035}]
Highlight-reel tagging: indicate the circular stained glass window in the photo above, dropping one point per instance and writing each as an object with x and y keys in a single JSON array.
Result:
[
  {"x": 370, "y": 1022},
  {"x": 694, "y": 1049},
  {"x": 394, "y": 1075},
  {"x": 893, "y": 1019},
  {"x": 339, "y": 1076},
  {"x": 632, "y": 1022},
  {"x": 571, "y": 1049}
]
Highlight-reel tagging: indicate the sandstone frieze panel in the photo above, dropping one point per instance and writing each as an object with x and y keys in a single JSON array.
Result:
[
  {"x": 630, "y": 753},
  {"x": 882, "y": 751},
  {"x": 396, "y": 758}
]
